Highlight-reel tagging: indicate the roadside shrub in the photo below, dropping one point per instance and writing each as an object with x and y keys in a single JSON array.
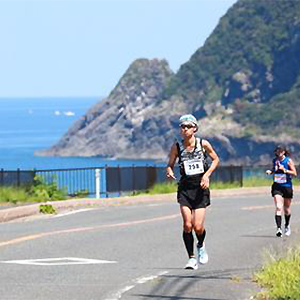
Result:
[
  {"x": 43, "y": 191},
  {"x": 47, "y": 209}
]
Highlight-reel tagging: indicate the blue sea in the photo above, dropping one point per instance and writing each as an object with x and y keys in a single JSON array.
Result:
[{"x": 31, "y": 124}]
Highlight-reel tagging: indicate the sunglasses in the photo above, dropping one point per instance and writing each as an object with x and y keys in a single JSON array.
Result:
[{"x": 186, "y": 126}]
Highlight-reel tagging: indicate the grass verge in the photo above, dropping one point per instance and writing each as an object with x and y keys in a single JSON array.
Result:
[
  {"x": 44, "y": 192},
  {"x": 171, "y": 187},
  {"x": 38, "y": 192},
  {"x": 280, "y": 277}
]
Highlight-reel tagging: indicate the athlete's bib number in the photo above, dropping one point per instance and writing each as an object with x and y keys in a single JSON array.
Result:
[
  {"x": 280, "y": 178},
  {"x": 193, "y": 167}
]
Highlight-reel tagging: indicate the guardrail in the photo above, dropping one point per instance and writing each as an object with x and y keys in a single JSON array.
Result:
[{"x": 112, "y": 181}]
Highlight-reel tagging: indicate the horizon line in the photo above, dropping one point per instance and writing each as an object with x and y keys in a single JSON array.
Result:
[{"x": 48, "y": 97}]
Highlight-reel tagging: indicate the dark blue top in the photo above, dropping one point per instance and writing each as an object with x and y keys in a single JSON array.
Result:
[{"x": 279, "y": 176}]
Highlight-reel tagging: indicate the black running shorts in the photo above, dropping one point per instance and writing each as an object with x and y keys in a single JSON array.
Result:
[
  {"x": 192, "y": 195},
  {"x": 284, "y": 191}
]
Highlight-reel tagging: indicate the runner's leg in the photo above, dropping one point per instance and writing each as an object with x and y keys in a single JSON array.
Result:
[
  {"x": 287, "y": 215},
  {"x": 198, "y": 225},
  {"x": 188, "y": 237},
  {"x": 278, "y": 200}
]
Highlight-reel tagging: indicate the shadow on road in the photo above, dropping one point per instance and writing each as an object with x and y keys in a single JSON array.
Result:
[
  {"x": 259, "y": 236},
  {"x": 141, "y": 296},
  {"x": 215, "y": 274},
  {"x": 192, "y": 283}
]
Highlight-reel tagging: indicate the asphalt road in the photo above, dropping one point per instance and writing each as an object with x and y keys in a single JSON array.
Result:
[{"x": 136, "y": 252}]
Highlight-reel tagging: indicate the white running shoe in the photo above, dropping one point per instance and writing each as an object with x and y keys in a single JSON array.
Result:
[
  {"x": 192, "y": 264},
  {"x": 202, "y": 255},
  {"x": 287, "y": 230},
  {"x": 279, "y": 232}
]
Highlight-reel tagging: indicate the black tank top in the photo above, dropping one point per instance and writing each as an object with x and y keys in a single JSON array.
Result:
[{"x": 192, "y": 164}]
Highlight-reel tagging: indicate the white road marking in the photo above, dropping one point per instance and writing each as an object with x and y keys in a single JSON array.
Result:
[
  {"x": 58, "y": 261},
  {"x": 82, "y": 229},
  {"x": 154, "y": 205},
  {"x": 145, "y": 279},
  {"x": 71, "y": 212},
  {"x": 265, "y": 206},
  {"x": 119, "y": 294},
  {"x": 140, "y": 280}
]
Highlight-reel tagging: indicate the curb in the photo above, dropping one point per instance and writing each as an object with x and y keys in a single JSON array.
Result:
[{"x": 13, "y": 213}]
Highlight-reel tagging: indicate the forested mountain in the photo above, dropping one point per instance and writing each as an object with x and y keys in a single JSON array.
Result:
[
  {"x": 250, "y": 64},
  {"x": 243, "y": 86}
]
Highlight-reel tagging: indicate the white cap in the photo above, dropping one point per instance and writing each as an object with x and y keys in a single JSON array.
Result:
[{"x": 188, "y": 120}]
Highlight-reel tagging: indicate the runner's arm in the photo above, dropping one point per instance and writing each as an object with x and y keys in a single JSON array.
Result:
[
  {"x": 215, "y": 161},
  {"x": 172, "y": 159},
  {"x": 212, "y": 154},
  {"x": 292, "y": 169}
]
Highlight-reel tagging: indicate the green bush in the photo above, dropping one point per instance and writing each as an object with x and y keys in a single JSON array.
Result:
[
  {"x": 46, "y": 191},
  {"x": 47, "y": 209}
]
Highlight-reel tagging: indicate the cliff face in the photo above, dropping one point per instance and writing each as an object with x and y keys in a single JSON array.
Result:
[
  {"x": 243, "y": 86},
  {"x": 124, "y": 124}
]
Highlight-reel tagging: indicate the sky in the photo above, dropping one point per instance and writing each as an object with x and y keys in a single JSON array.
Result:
[{"x": 69, "y": 48}]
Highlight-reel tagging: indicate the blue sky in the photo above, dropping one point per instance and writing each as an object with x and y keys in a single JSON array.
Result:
[{"x": 82, "y": 48}]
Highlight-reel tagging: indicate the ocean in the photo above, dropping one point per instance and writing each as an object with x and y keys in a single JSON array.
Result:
[{"x": 28, "y": 125}]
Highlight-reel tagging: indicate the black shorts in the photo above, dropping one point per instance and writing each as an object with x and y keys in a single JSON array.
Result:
[
  {"x": 193, "y": 196},
  {"x": 284, "y": 191}
]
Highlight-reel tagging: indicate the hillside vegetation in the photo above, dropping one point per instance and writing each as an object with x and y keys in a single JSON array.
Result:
[{"x": 249, "y": 64}]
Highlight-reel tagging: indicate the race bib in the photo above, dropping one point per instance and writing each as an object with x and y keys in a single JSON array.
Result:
[
  {"x": 280, "y": 178},
  {"x": 193, "y": 167}
]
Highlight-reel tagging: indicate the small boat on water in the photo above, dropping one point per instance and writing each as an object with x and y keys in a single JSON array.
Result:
[{"x": 69, "y": 113}]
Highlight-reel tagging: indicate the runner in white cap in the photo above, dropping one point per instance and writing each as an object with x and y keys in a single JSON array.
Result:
[{"x": 193, "y": 193}]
